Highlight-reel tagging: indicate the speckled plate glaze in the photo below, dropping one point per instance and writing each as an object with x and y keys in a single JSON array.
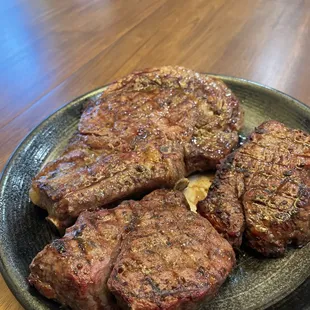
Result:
[{"x": 256, "y": 283}]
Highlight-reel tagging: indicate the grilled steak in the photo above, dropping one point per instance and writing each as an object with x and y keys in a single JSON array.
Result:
[
  {"x": 74, "y": 269},
  {"x": 164, "y": 257},
  {"x": 263, "y": 191},
  {"x": 172, "y": 259},
  {"x": 146, "y": 131}
]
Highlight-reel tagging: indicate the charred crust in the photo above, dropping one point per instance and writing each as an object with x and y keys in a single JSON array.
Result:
[
  {"x": 59, "y": 246},
  {"x": 260, "y": 130},
  {"x": 79, "y": 231}
]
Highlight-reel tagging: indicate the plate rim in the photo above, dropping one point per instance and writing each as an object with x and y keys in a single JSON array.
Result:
[{"x": 5, "y": 268}]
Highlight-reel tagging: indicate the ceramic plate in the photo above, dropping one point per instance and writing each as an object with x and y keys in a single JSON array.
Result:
[{"x": 256, "y": 283}]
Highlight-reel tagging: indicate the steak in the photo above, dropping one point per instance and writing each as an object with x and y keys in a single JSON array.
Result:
[
  {"x": 146, "y": 131},
  {"x": 262, "y": 191},
  {"x": 172, "y": 259},
  {"x": 149, "y": 254},
  {"x": 74, "y": 269}
]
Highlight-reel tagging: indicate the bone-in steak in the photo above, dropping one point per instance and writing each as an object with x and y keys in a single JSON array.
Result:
[
  {"x": 263, "y": 190},
  {"x": 146, "y": 131},
  {"x": 164, "y": 257}
]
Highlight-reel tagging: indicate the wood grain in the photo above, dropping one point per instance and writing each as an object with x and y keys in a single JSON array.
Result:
[{"x": 54, "y": 51}]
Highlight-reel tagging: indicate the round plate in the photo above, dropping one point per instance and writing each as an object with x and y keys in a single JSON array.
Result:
[{"x": 256, "y": 283}]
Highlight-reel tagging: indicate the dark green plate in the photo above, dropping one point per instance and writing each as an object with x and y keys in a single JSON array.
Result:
[{"x": 256, "y": 283}]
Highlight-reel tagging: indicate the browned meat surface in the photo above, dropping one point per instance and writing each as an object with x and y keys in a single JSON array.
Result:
[
  {"x": 74, "y": 269},
  {"x": 164, "y": 257},
  {"x": 262, "y": 190},
  {"x": 146, "y": 131},
  {"x": 172, "y": 259}
]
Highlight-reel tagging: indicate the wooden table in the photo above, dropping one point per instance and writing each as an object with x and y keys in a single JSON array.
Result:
[{"x": 53, "y": 51}]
